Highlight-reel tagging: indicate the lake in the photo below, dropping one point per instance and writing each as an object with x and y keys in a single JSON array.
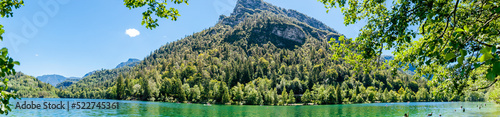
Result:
[{"x": 144, "y": 108}]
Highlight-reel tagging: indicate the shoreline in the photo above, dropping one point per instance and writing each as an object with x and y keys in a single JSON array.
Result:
[{"x": 293, "y": 104}]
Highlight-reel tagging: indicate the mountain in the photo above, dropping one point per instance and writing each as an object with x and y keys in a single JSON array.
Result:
[
  {"x": 131, "y": 62},
  {"x": 258, "y": 22},
  {"x": 52, "y": 79},
  {"x": 256, "y": 56},
  {"x": 69, "y": 81}
]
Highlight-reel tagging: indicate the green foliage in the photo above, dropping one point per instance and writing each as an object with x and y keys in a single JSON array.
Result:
[
  {"x": 7, "y": 6},
  {"x": 291, "y": 98},
  {"x": 238, "y": 93},
  {"x": 156, "y": 7},
  {"x": 284, "y": 97},
  {"x": 6, "y": 62},
  {"x": 6, "y": 96},
  {"x": 306, "y": 97},
  {"x": 494, "y": 94},
  {"x": 95, "y": 85},
  {"x": 455, "y": 38}
]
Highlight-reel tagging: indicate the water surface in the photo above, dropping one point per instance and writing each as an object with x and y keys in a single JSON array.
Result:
[{"x": 144, "y": 108}]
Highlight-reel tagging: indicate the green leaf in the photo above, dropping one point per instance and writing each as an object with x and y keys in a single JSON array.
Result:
[
  {"x": 460, "y": 60},
  {"x": 459, "y": 30},
  {"x": 485, "y": 57},
  {"x": 485, "y": 50},
  {"x": 6, "y": 80},
  {"x": 497, "y": 10},
  {"x": 463, "y": 52},
  {"x": 16, "y": 63},
  {"x": 449, "y": 56},
  {"x": 476, "y": 65},
  {"x": 491, "y": 75},
  {"x": 341, "y": 38},
  {"x": 466, "y": 28},
  {"x": 3, "y": 50},
  {"x": 496, "y": 67}
]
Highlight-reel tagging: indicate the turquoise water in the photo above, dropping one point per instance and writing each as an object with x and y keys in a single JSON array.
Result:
[{"x": 144, "y": 108}]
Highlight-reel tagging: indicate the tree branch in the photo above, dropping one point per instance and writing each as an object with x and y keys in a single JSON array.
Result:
[
  {"x": 486, "y": 86},
  {"x": 480, "y": 42},
  {"x": 448, "y": 19}
]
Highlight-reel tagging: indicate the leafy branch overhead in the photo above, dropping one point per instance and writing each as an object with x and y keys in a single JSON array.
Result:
[
  {"x": 6, "y": 11},
  {"x": 447, "y": 39},
  {"x": 156, "y": 7},
  {"x": 6, "y": 62}
]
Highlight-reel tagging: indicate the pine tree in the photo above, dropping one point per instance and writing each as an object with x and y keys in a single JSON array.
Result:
[
  {"x": 284, "y": 96},
  {"x": 145, "y": 89},
  {"x": 291, "y": 97},
  {"x": 120, "y": 87}
]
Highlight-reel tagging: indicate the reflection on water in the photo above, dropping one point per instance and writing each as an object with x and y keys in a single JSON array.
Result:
[{"x": 143, "y": 108}]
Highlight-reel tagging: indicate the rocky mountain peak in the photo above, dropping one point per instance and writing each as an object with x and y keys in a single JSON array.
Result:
[
  {"x": 251, "y": 4},
  {"x": 247, "y": 3},
  {"x": 244, "y": 8}
]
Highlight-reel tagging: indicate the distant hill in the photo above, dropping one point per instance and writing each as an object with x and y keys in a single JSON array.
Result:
[
  {"x": 53, "y": 79},
  {"x": 90, "y": 73},
  {"x": 30, "y": 87},
  {"x": 61, "y": 82},
  {"x": 131, "y": 62},
  {"x": 67, "y": 82}
]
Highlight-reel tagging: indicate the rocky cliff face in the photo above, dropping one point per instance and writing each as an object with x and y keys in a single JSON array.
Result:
[
  {"x": 290, "y": 33},
  {"x": 259, "y": 22}
]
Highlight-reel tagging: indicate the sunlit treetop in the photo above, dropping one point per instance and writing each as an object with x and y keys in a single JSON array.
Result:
[{"x": 446, "y": 39}]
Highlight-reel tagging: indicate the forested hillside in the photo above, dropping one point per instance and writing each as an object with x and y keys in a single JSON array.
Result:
[
  {"x": 29, "y": 86},
  {"x": 67, "y": 82},
  {"x": 260, "y": 54}
]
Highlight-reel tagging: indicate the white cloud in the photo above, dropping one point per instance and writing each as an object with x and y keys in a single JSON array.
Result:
[
  {"x": 132, "y": 32},
  {"x": 36, "y": 54}
]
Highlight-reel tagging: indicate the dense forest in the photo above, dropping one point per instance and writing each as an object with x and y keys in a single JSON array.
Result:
[{"x": 260, "y": 55}]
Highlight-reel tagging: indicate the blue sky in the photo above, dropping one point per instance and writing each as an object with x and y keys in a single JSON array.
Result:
[{"x": 72, "y": 38}]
